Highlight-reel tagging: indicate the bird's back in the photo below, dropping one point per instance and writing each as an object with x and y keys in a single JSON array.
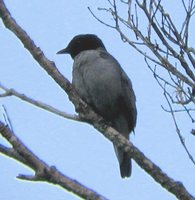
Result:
[{"x": 101, "y": 82}]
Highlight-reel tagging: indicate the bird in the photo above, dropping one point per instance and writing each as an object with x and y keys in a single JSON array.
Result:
[{"x": 102, "y": 83}]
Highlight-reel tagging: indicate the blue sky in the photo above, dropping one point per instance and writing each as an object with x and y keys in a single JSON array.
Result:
[{"x": 77, "y": 149}]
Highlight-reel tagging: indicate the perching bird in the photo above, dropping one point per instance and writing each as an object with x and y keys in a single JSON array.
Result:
[{"x": 101, "y": 83}]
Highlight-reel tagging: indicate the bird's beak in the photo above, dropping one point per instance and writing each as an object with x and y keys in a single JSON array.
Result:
[{"x": 63, "y": 51}]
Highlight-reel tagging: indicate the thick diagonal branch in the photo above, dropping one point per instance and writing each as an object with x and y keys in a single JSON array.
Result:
[{"x": 43, "y": 172}]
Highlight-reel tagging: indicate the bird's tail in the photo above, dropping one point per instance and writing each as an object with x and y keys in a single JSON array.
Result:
[{"x": 124, "y": 162}]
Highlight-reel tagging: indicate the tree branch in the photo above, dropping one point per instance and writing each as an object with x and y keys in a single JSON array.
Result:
[
  {"x": 10, "y": 152},
  {"x": 43, "y": 172},
  {"x": 154, "y": 47},
  {"x": 12, "y": 92}
]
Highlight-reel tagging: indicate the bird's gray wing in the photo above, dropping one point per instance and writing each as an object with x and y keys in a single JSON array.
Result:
[{"x": 128, "y": 101}]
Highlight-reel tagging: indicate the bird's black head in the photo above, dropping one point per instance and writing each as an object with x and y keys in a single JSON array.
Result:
[{"x": 81, "y": 43}]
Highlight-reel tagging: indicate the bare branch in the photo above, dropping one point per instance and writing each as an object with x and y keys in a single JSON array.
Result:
[
  {"x": 152, "y": 46},
  {"x": 99, "y": 19},
  {"x": 10, "y": 152},
  {"x": 162, "y": 38},
  {"x": 10, "y": 92},
  {"x": 43, "y": 172},
  {"x": 168, "y": 98},
  {"x": 6, "y": 117},
  {"x": 178, "y": 130}
]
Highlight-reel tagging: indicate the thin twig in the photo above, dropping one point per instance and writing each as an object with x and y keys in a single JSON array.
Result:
[
  {"x": 167, "y": 95},
  {"x": 39, "y": 104},
  {"x": 102, "y": 22},
  {"x": 178, "y": 130},
  {"x": 6, "y": 117}
]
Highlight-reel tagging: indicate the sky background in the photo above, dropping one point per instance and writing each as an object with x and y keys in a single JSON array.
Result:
[{"x": 77, "y": 149}]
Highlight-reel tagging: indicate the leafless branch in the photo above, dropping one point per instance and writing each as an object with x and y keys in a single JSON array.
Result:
[
  {"x": 171, "y": 111},
  {"x": 43, "y": 172},
  {"x": 178, "y": 130},
  {"x": 99, "y": 19},
  {"x": 6, "y": 117},
  {"x": 153, "y": 46},
  {"x": 12, "y": 92}
]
